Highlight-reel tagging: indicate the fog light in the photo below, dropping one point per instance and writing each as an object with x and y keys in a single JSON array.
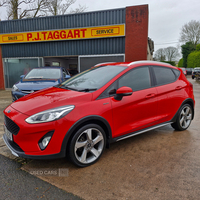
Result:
[{"x": 44, "y": 141}]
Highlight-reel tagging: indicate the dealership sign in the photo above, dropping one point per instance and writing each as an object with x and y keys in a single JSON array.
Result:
[{"x": 64, "y": 34}]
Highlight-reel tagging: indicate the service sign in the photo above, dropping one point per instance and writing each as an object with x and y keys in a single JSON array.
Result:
[{"x": 64, "y": 34}]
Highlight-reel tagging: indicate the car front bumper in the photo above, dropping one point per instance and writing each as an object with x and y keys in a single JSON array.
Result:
[
  {"x": 18, "y": 152},
  {"x": 24, "y": 139}
]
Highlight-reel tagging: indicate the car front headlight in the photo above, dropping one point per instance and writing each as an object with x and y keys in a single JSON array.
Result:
[
  {"x": 15, "y": 88},
  {"x": 50, "y": 115}
]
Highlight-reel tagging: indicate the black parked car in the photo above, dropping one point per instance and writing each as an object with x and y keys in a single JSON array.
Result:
[{"x": 197, "y": 69}]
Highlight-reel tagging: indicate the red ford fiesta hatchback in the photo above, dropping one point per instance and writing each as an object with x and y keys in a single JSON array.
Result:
[{"x": 105, "y": 104}]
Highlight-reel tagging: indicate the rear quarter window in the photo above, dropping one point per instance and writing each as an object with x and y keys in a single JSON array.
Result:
[
  {"x": 165, "y": 75},
  {"x": 176, "y": 72}
]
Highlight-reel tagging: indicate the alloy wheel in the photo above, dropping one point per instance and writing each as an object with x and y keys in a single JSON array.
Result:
[
  {"x": 185, "y": 117},
  {"x": 89, "y": 145}
]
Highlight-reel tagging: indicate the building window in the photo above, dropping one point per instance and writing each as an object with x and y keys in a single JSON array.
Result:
[{"x": 15, "y": 67}]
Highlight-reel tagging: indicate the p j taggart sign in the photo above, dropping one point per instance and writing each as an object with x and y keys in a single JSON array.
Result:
[{"x": 64, "y": 34}]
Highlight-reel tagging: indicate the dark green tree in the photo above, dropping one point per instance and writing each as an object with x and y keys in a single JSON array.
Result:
[{"x": 186, "y": 49}]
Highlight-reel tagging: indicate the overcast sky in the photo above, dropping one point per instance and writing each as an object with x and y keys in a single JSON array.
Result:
[{"x": 166, "y": 17}]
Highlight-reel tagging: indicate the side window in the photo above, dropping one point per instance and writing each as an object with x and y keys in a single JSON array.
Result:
[
  {"x": 164, "y": 75},
  {"x": 137, "y": 79}
]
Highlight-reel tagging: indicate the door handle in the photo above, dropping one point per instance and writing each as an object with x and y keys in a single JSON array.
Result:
[
  {"x": 150, "y": 96},
  {"x": 178, "y": 88}
]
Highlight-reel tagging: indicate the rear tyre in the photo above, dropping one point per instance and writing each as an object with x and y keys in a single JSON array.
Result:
[
  {"x": 184, "y": 118},
  {"x": 87, "y": 145}
]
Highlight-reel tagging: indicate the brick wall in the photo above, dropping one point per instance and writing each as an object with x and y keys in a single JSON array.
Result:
[{"x": 136, "y": 33}]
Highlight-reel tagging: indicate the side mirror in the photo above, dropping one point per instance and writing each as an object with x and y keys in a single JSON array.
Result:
[
  {"x": 123, "y": 91},
  {"x": 22, "y": 76},
  {"x": 67, "y": 76}
]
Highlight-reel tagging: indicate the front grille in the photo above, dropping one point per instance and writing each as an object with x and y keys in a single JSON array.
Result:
[{"x": 11, "y": 126}]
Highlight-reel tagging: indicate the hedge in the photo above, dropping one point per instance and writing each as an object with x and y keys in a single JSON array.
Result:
[
  {"x": 193, "y": 59},
  {"x": 180, "y": 63}
]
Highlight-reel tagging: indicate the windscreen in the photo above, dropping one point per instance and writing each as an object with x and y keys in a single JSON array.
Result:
[
  {"x": 93, "y": 78},
  {"x": 44, "y": 73}
]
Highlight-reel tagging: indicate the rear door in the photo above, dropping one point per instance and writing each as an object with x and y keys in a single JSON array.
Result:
[
  {"x": 139, "y": 110},
  {"x": 170, "y": 93}
]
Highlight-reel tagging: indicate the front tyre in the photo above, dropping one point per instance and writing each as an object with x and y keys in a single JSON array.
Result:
[
  {"x": 184, "y": 118},
  {"x": 87, "y": 145}
]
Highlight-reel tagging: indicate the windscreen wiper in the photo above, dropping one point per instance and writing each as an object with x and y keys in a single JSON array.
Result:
[
  {"x": 66, "y": 87},
  {"x": 87, "y": 89},
  {"x": 77, "y": 89}
]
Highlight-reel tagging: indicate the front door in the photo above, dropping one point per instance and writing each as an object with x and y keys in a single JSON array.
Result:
[{"x": 139, "y": 110}]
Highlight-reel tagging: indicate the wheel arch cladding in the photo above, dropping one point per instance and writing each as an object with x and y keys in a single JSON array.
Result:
[
  {"x": 82, "y": 122},
  {"x": 191, "y": 103},
  {"x": 186, "y": 101}
]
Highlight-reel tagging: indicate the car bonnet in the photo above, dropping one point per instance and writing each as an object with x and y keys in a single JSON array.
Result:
[{"x": 48, "y": 99}]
